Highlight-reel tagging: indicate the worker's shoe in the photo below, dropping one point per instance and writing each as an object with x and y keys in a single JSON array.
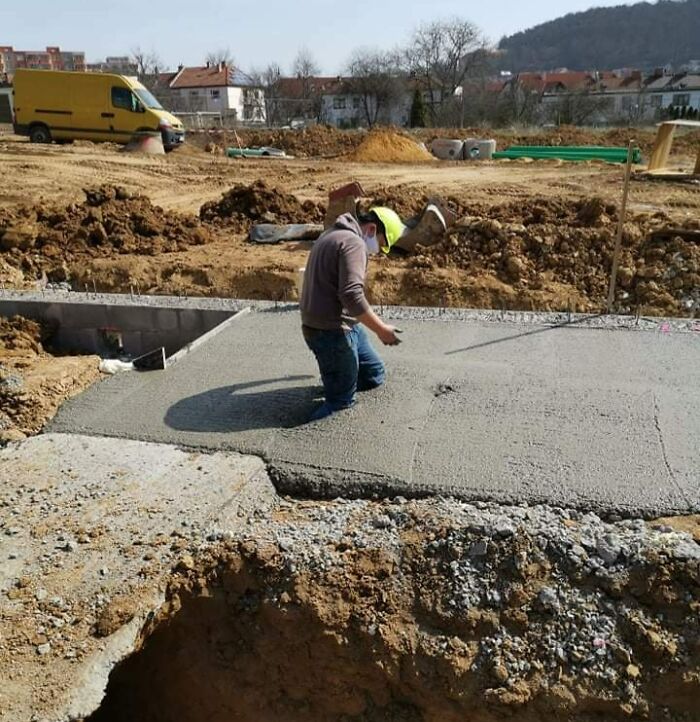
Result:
[
  {"x": 325, "y": 410},
  {"x": 429, "y": 230},
  {"x": 321, "y": 412}
]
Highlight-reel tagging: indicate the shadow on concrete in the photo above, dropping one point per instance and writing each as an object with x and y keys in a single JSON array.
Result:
[
  {"x": 233, "y": 408},
  {"x": 516, "y": 336}
]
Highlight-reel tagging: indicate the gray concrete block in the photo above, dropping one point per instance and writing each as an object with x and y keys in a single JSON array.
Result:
[
  {"x": 165, "y": 319},
  {"x": 79, "y": 341},
  {"x": 8, "y": 308},
  {"x": 128, "y": 318},
  {"x": 81, "y": 315},
  {"x": 133, "y": 342}
]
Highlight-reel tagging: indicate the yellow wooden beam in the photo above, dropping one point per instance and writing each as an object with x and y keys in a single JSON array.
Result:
[{"x": 662, "y": 147}]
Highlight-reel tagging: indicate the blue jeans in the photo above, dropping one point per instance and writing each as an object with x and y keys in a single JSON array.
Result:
[{"x": 347, "y": 363}]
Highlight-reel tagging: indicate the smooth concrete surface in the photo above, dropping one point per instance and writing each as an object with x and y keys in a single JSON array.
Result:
[
  {"x": 594, "y": 418},
  {"x": 87, "y": 523}
]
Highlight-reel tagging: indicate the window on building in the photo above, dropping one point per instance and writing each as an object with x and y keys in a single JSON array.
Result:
[
  {"x": 123, "y": 98},
  {"x": 628, "y": 102},
  {"x": 215, "y": 93},
  {"x": 194, "y": 92},
  {"x": 356, "y": 102},
  {"x": 655, "y": 101},
  {"x": 338, "y": 103},
  {"x": 681, "y": 99}
]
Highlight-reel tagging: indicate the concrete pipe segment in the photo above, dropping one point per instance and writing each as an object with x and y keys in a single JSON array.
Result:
[{"x": 446, "y": 149}]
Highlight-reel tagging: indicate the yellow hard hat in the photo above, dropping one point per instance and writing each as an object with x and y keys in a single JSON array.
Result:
[{"x": 393, "y": 226}]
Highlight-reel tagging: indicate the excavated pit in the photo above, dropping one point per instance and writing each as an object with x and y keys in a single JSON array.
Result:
[
  {"x": 111, "y": 325},
  {"x": 427, "y": 611}
]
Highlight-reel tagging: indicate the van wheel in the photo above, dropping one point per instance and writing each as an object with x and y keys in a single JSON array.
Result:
[{"x": 39, "y": 134}]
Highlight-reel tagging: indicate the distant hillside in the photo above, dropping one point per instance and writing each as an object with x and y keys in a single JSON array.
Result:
[{"x": 642, "y": 36}]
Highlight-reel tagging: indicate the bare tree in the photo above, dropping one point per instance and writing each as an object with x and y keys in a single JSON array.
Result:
[
  {"x": 580, "y": 107},
  {"x": 305, "y": 68},
  {"x": 223, "y": 56},
  {"x": 269, "y": 81},
  {"x": 442, "y": 54},
  {"x": 305, "y": 65},
  {"x": 375, "y": 78},
  {"x": 147, "y": 63},
  {"x": 517, "y": 103}
]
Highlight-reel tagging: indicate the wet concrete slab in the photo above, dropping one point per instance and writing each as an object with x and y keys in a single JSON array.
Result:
[{"x": 597, "y": 417}]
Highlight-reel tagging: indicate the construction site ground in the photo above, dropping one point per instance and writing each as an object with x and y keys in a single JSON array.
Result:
[{"x": 172, "y": 549}]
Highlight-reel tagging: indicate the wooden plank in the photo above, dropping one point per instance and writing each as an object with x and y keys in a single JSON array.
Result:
[
  {"x": 686, "y": 123},
  {"x": 662, "y": 147}
]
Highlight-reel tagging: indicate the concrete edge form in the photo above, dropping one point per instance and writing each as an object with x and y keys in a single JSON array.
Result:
[{"x": 9, "y": 299}]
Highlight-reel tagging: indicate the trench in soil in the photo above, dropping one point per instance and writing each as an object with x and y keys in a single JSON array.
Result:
[
  {"x": 246, "y": 637},
  {"x": 230, "y": 654}
]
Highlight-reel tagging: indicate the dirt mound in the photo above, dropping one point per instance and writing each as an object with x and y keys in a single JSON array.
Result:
[
  {"x": 409, "y": 199},
  {"x": 259, "y": 203},
  {"x": 21, "y": 337},
  {"x": 388, "y": 146},
  {"x": 572, "y": 242},
  {"x": 110, "y": 221},
  {"x": 316, "y": 141},
  {"x": 33, "y": 383}
]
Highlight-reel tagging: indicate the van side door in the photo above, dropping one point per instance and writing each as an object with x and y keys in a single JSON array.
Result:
[{"x": 126, "y": 113}]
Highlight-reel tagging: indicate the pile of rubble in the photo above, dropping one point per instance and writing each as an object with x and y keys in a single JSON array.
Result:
[{"x": 415, "y": 610}]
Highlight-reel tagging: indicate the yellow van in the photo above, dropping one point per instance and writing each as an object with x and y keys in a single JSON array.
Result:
[{"x": 64, "y": 106}]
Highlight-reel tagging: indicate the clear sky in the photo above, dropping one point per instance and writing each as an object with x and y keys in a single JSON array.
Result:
[{"x": 255, "y": 32}]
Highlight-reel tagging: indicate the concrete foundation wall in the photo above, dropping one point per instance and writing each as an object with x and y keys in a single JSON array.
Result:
[{"x": 83, "y": 320}]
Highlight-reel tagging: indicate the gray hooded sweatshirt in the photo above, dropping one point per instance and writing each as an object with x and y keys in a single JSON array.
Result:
[{"x": 333, "y": 293}]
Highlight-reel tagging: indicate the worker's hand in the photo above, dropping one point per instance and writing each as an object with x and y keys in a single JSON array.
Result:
[{"x": 388, "y": 335}]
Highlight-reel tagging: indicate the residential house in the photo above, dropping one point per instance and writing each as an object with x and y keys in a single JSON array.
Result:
[
  {"x": 297, "y": 100},
  {"x": 53, "y": 58},
  {"x": 334, "y": 101},
  {"x": 601, "y": 97},
  {"x": 674, "y": 91},
  {"x": 215, "y": 88},
  {"x": 121, "y": 65}
]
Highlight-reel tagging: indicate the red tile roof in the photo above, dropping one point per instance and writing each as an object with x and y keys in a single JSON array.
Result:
[{"x": 214, "y": 76}]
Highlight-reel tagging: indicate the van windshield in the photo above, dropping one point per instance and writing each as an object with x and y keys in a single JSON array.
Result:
[{"x": 147, "y": 99}]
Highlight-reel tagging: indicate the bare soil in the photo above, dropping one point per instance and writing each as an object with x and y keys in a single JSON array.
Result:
[
  {"x": 33, "y": 382},
  {"x": 180, "y": 225}
]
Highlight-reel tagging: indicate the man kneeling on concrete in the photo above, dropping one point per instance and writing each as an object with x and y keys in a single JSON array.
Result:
[{"x": 334, "y": 310}]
